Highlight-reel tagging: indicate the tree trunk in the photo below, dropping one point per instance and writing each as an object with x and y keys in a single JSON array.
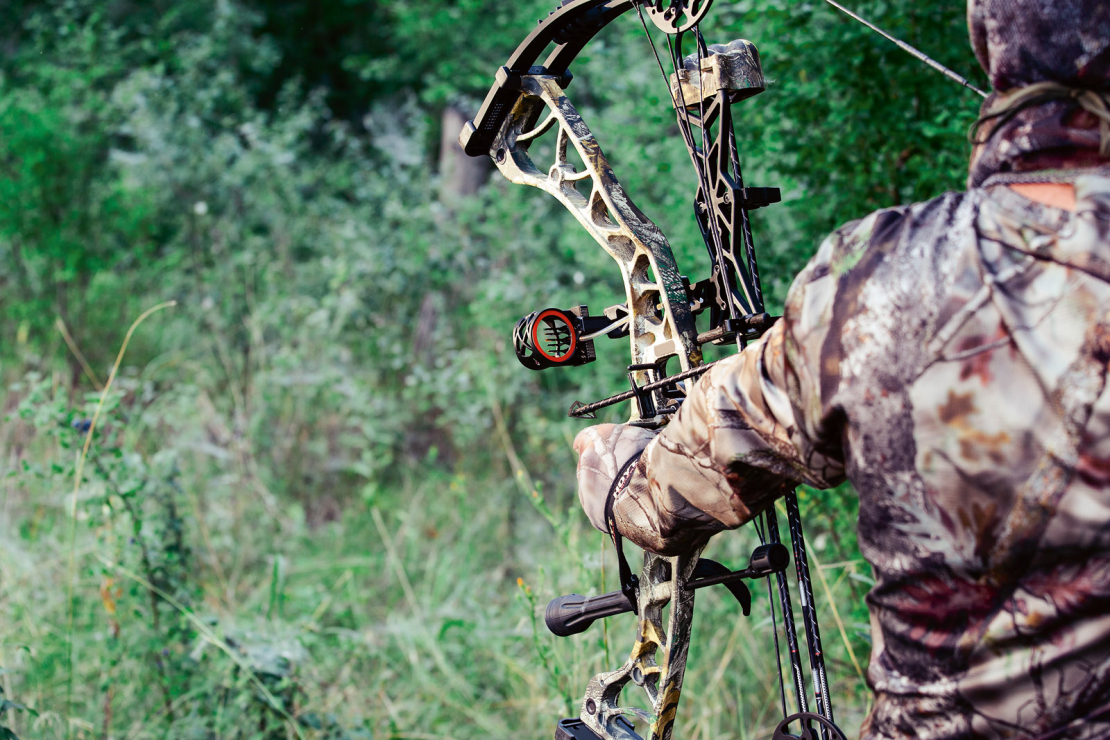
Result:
[{"x": 459, "y": 175}]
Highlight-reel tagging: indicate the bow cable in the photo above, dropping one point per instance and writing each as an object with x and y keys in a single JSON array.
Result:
[
  {"x": 710, "y": 210},
  {"x": 753, "y": 291},
  {"x": 746, "y": 224}
]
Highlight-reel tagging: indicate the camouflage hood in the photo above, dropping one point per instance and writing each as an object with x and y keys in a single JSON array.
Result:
[{"x": 1020, "y": 43}]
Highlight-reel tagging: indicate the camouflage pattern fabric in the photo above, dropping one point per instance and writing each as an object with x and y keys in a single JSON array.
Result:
[
  {"x": 951, "y": 359},
  {"x": 1021, "y": 42}
]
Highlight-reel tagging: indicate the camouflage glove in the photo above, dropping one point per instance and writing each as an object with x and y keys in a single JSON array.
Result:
[{"x": 603, "y": 450}]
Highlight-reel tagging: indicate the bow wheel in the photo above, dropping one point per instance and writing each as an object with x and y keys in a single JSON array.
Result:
[{"x": 676, "y": 16}]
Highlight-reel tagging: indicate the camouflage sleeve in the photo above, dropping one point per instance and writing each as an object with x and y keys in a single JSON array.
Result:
[{"x": 752, "y": 428}]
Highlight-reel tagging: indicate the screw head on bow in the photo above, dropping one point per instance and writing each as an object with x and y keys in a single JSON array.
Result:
[{"x": 677, "y": 16}]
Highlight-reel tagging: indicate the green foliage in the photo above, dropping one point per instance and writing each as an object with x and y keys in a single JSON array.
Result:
[
  {"x": 853, "y": 119},
  {"x": 431, "y": 36},
  {"x": 64, "y": 214},
  {"x": 320, "y": 477}
]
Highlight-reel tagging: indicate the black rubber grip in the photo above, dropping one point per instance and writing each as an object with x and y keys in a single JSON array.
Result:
[{"x": 573, "y": 614}]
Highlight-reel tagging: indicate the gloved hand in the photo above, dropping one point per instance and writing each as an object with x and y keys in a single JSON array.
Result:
[{"x": 602, "y": 452}]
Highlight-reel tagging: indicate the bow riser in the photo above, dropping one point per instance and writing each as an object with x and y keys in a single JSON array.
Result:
[{"x": 661, "y": 324}]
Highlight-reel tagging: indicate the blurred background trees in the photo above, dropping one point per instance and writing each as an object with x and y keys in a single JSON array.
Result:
[{"x": 320, "y": 475}]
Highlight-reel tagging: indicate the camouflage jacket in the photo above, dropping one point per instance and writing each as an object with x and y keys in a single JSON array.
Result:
[{"x": 950, "y": 359}]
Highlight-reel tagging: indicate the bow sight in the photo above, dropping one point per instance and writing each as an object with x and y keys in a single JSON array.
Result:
[{"x": 528, "y": 101}]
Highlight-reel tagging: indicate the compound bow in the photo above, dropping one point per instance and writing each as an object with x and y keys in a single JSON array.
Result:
[{"x": 658, "y": 317}]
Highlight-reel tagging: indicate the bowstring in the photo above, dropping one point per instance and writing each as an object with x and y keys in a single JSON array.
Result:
[{"x": 911, "y": 50}]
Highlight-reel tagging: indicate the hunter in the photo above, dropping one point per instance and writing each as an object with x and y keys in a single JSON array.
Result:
[{"x": 950, "y": 359}]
